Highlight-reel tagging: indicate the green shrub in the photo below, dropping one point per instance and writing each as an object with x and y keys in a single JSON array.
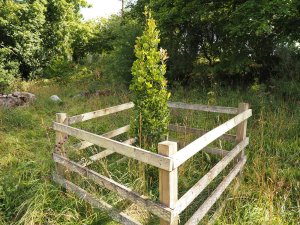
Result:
[
  {"x": 149, "y": 87},
  {"x": 9, "y": 69},
  {"x": 116, "y": 63}
]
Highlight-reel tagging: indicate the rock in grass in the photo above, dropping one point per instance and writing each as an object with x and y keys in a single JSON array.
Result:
[
  {"x": 55, "y": 98},
  {"x": 16, "y": 99}
]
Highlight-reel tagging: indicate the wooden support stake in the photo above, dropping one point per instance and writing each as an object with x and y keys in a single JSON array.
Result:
[
  {"x": 168, "y": 181},
  {"x": 61, "y": 138},
  {"x": 242, "y": 128}
]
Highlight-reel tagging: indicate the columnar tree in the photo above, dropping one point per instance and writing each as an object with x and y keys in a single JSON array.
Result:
[{"x": 149, "y": 87}]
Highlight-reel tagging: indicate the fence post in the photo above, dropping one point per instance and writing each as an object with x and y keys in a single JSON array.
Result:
[
  {"x": 242, "y": 128},
  {"x": 168, "y": 180},
  {"x": 61, "y": 138}
]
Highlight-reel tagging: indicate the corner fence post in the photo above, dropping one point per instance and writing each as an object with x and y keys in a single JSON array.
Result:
[
  {"x": 168, "y": 181},
  {"x": 242, "y": 128},
  {"x": 61, "y": 138}
]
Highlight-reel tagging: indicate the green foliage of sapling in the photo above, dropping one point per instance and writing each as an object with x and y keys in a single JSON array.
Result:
[{"x": 149, "y": 87}]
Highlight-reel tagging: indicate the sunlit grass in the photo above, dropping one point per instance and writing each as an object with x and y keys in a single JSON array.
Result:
[{"x": 269, "y": 188}]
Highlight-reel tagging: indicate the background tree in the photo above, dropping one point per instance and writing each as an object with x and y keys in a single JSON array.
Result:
[
  {"x": 117, "y": 37},
  {"x": 149, "y": 87},
  {"x": 224, "y": 38},
  {"x": 33, "y": 34}
]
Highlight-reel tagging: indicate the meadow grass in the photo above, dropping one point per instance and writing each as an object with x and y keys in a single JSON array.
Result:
[{"x": 268, "y": 190}]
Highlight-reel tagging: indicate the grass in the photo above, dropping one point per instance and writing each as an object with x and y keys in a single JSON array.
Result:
[{"x": 268, "y": 192}]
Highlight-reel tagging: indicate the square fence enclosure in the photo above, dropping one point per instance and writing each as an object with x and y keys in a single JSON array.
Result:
[{"x": 171, "y": 154}]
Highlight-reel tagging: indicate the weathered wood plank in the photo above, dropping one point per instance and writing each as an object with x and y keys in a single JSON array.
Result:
[
  {"x": 108, "y": 152},
  {"x": 105, "y": 153},
  {"x": 191, "y": 149},
  {"x": 183, "y": 129},
  {"x": 99, "y": 113},
  {"x": 168, "y": 181},
  {"x": 242, "y": 127},
  {"x": 191, "y": 194},
  {"x": 215, "y": 151},
  {"x": 125, "y": 192},
  {"x": 206, "y": 108},
  {"x": 111, "y": 134},
  {"x": 95, "y": 202},
  {"x": 60, "y": 139},
  {"x": 211, "y": 200},
  {"x": 162, "y": 162}
]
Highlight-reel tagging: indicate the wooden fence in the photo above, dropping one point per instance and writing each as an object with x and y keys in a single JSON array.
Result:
[{"x": 167, "y": 160}]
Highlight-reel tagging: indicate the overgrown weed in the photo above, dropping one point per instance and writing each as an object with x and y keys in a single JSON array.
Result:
[{"x": 269, "y": 189}]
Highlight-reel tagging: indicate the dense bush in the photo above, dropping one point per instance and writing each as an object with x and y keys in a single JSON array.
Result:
[
  {"x": 225, "y": 38},
  {"x": 149, "y": 88},
  {"x": 9, "y": 69},
  {"x": 117, "y": 60},
  {"x": 33, "y": 33}
]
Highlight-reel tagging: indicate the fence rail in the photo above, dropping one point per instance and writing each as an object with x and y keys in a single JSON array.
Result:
[
  {"x": 140, "y": 154},
  {"x": 167, "y": 161},
  {"x": 205, "y": 108},
  {"x": 188, "y": 151},
  {"x": 99, "y": 113}
]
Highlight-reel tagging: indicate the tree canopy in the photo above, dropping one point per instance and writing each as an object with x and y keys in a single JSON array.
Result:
[
  {"x": 226, "y": 40},
  {"x": 224, "y": 37},
  {"x": 33, "y": 33}
]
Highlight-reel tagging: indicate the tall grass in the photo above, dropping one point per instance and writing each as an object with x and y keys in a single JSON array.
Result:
[{"x": 268, "y": 190}]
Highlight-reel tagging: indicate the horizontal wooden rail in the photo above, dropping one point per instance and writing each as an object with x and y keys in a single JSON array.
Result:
[
  {"x": 105, "y": 153},
  {"x": 99, "y": 113},
  {"x": 215, "y": 151},
  {"x": 191, "y": 194},
  {"x": 162, "y": 162},
  {"x": 206, "y": 108},
  {"x": 111, "y": 134},
  {"x": 183, "y": 129},
  {"x": 211, "y": 200},
  {"x": 95, "y": 202},
  {"x": 191, "y": 149},
  {"x": 108, "y": 151},
  {"x": 125, "y": 192}
]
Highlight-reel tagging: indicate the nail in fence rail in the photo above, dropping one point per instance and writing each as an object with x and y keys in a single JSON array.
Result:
[{"x": 168, "y": 160}]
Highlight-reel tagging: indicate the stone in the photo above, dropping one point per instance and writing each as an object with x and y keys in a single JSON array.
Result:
[
  {"x": 55, "y": 98},
  {"x": 16, "y": 99}
]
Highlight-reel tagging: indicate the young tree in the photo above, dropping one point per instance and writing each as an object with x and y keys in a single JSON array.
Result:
[{"x": 149, "y": 87}]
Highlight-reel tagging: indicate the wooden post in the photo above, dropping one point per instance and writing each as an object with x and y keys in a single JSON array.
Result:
[
  {"x": 242, "y": 128},
  {"x": 168, "y": 181},
  {"x": 61, "y": 138}
]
